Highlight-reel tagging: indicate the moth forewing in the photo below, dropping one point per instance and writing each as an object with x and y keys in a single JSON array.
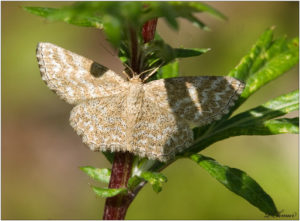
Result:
[{"x": 75, "y": 78}]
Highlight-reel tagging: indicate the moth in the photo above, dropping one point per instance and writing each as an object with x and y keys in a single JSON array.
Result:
[{"x": 115, "y": 113}]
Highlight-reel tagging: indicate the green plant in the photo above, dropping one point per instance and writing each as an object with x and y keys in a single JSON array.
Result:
[{"x": 130, "y": 26}]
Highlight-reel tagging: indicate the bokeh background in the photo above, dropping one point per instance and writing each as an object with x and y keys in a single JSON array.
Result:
[{"x": 41, "y": 153}]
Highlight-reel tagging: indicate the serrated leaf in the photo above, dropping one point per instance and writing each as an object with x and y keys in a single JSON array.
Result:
[
  {"x": 273, "y": 68},
  {"x": 105, "y": 192},
  {"x": 242, "y": 70},
  {"x": 261, "y": 65},
  {"x": 186, "y": 10},
  {"x": 189, "y": 52},
  {"x": 238, "y": 182},
  {"x": 171, "y": 10},
  {"x": 116, "y": 18},
  {"x": 155, "y": 179},
  {"x": 267, "y": 60},
  {"x": 201, "y": 7},
  {"x": 168, "y": 71},
  {"x": 102, "y": 175}
]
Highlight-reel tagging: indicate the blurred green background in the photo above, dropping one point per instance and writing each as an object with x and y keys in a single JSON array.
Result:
[{"x": 41, "y": 153}]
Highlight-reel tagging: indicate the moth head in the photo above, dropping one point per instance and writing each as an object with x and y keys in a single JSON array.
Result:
[
  {"x": 136, "y": 79},
  {"x": 139, "y": 77}
]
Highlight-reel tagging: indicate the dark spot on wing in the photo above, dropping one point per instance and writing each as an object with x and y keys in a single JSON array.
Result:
[{"x": 97, "y": 70}]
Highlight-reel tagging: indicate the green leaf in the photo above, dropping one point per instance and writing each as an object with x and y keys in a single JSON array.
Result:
[
  {"x": 40, "y": 11},
  {"x": 238, "y": 182},
  {"x": 171, "y": 10},
  {"x": 158, "y": 52},
  {"x": 124, "y": 54},
  {"x": 155, "y": 179},
  {"x": 168, "y": 71},
  {"x": 252, "y": 122},
  {"x": 267, "y": 60},
  {"x": 65, "y": 15},
  {"x": 117, "y": 18},
  {"x": 133, "y": 182},
  {"x": 201, "y": 7},
  {"x": 102, "y": 175},
  {"x": 158, "y": 49},
  {"x": 105, "y": 192},
  {"x": 242, "y": 70},
  {"x": 274, "y": 108},
  {"x": 273, "y": 67},
  {"x": 186, "y": 10},
  {"x": 259, "y": 127},
  {"x": 189, "y": 52},
  {"x": 278, "y": 126}
]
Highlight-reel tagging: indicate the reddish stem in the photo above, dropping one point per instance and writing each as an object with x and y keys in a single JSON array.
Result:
[
  {"x": 148, "y": 31},
  {"x": 116, "y": 207}
]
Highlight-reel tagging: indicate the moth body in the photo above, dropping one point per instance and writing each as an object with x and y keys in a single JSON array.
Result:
[
  {"x": 134, "y": 98},
  {"x": 132, "y": 109}
]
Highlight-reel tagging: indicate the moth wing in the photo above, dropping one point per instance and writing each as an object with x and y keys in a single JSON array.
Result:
[
  {"x": 75, "y": 78},
  {"x": 198, "y": 100},
  {"x": 158, "y": 133},
  {"x": 100, "y": 123}
]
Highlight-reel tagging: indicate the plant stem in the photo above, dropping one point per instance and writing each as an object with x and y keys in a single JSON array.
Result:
[
  {"x": 134, "y": 50},
  {"x": 116, "y": 207},
  {"x": 148, "y": 31}
]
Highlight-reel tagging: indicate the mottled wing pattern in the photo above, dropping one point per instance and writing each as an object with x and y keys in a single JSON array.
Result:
[
  {"x": 75, "y": 78},
  {"x": 100, "y": 123},
  {"x": 198, "y": 100},
  {"x": 113, "y": 114},
  {"x": 158, "y": 133}
]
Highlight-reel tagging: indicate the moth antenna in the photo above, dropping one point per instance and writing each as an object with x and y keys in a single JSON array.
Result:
[
  {"x": 140, "y": 74},
  {"x": 127, "y": 75},
  {"x": 151, "y": 73},
  {"x": 133, "y": 73}
]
